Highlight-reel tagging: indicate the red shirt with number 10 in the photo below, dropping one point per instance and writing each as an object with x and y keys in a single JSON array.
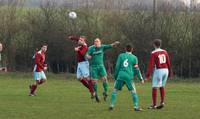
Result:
[{"x": 159, "y": 59}]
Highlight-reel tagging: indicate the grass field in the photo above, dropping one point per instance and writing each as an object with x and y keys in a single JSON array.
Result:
[{"x": 62, "y": 97}]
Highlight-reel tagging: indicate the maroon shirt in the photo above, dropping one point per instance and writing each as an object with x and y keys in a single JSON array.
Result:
[
  {"x": 159, "y": 59},
  {"x": 81, "y": 53},
  {"x": 82, "y": 49},
  {"x": 39, "y": 61}
]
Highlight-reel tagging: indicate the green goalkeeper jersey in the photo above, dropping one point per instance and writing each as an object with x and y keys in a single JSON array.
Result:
[
  {"x": 127, "y": 66},
  {"x": 97, "y": 54}
]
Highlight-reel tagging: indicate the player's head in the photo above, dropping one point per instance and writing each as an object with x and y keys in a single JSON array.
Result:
[
  {"x": 82, "y": 40},
  {"x": 1, "y": 47},
  {"x": 157, "y": 43},
  {"x": 44, "y": 47},
  {"x": 129, "y": 48},
  {"x": 97, "y": 42}
]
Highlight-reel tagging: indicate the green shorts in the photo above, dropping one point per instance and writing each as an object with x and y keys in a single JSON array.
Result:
[
  {"x": 97, "y": 72},
  {"x": 124, "y": 79},
  {"x": 120, "y": 83}
]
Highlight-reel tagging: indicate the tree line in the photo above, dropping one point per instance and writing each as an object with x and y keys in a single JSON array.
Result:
[{"x": 22, "y": 30}]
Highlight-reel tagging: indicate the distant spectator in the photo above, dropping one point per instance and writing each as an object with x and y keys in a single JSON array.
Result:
[{"x": 2, "y": 68}]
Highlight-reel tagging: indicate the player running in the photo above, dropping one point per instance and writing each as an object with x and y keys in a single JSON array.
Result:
[
  {"x": 126, "y": 66},
  {"x": 97, "y": 68},
  {"x": 39, "y": 68},
  {"x": 83, "y": 74},
  {"x": 159, "y": 65}
]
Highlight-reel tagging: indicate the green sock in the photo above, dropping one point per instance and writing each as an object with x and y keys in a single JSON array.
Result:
[
  {"x": 95, "y": 87},
  {"x": 113, "y": 98},
  {"x": 135, "y": 100},
  {"x": 105, "y": 86}
]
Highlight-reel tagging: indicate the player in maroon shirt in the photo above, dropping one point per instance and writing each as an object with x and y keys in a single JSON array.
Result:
[
  {"x": 83, "y": 73},
  {"x": 159, "y": 66},
  {"x": 39, "y": 68}
]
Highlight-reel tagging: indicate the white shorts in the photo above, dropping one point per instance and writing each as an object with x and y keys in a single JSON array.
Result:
[
  {"x": 83, "y": 70},
  {"x": 160, "y": 77},
  {"x": 39, "y": 75}
]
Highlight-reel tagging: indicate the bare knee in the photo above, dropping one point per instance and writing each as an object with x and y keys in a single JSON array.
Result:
[
  {"x": 104, "y": 78},
  {"x": 94, "y": 81}
]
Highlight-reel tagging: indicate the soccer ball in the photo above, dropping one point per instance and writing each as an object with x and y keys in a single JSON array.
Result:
[{"x": 72, "y": 15}]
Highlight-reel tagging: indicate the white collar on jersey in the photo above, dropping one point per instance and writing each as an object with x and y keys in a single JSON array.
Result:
[
  {"x": 40, "y": 51},
  {"x": 129, "y": 52},
  {"x": 157, "y": 50}
]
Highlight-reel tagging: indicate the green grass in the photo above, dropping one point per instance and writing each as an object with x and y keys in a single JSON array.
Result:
[{"x": 62, "y": 97}]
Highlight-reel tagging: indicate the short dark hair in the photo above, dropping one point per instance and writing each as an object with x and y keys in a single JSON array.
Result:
[
  {"x": 157, "y": 42},
  {"x": 44, "y": 44},
  {"x": 129, "y": 48},
  {"x": 83, "y": 37}
]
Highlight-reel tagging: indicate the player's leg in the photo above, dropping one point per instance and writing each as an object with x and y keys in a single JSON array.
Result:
[
  {"x": 103, "y": 74},
  {"x": 86, "y": 76},
  {"x": 117, "y": 86},
  {"x": 164, "y": 73},
  {"x": 90, "y": 86},
  {"x": 43, "y": 78},
  {"x": 95, "y": 84},
  {"x": 33, "y": 87},
  {"x": 131, "y": 87},
  {"x": 155, "y": 85},
  {"x": 105, "y": 87},
  {"x": 40, "y": 78},
  {"x": 80, "y": 77},
  {"x": 113, "y": 99},
  {"x": 94, "y": 78}
]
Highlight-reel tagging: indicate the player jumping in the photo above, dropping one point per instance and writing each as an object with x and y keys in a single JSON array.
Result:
[
  {"x": 126, "y": 66},
  {"x": 96, "y": 55},
  {"x": 83, "y": 74},
  {"x": 159, "y": 65},
  {"x": 39, "y": 68}
]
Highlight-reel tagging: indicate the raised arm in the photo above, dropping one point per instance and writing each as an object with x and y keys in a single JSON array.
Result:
[
  {"x": 73, "y": 38},
  {"x": 115, "y": 44}
]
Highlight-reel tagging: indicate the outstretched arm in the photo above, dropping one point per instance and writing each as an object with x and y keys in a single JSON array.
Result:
[
  {"x": 115, "y": 44},
  {"x": 73, "y": 38}
]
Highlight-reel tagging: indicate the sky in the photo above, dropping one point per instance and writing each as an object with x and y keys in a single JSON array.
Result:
[{"x": 188, "y": 1}]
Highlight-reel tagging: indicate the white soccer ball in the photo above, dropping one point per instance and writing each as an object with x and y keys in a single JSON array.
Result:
[{"x": 72, "y": 15}]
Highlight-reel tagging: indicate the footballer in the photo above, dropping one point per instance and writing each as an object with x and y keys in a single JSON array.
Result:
[
  {"x": 159, "y": 66},
  {"x": 97, "y": 69},
  {"x": 83, "y": 74},
  {"x": 126, "y": 66},
  {"x": 39, "y": 68}
]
